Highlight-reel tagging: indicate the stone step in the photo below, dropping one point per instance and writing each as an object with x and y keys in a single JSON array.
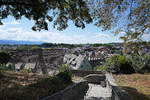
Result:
[{"x": 97, "y": 92}]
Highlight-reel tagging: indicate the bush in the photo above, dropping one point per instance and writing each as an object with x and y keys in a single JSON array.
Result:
[
  {"x": 117, "y": 64},
  {"x": 141, "y": 64},
  {"x": 126, "y": 64},
  {"x": 63, "y": 68},
  {"x": 64, "y": 73},
  {"x": 65, "y": 76},
  {"x": 26, "y": 70},
  {"x": 101, "y": 68},
  {"x": 4, "y": 57},
  {"x": 9, "y": 67}
]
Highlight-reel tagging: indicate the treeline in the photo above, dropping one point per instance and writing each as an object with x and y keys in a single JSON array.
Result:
[
  {"x": 59, "y": 45},
  {"x": 65, "y": 45},
  {"x": 98, "y": 45}
]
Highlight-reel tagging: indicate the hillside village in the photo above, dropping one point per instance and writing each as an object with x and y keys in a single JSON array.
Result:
[{"x": 47, "y": 60}]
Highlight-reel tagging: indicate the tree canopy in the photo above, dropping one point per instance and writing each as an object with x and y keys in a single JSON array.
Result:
[
  {"x": 4, "y": 57},
  {"x": 128, "y": 16},
  {"x": 44, "y": 11},
  {"x": 120, "y": 15}
]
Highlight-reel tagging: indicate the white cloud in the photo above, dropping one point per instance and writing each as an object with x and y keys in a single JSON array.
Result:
[
  {"x": 12, "y": 22},
  {"x": 56, "y": 37},
  {"x": 2, "y": 27},
  {"x": 20, "y": 30}
]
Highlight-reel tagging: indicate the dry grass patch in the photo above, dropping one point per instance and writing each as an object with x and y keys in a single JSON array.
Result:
[
  {"x": 28, "y": 86},
  {"x": 137, "y": 85}
]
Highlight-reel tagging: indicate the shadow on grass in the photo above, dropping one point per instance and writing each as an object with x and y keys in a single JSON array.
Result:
[
  {"x": 10, "y": 90},
  {"x": 134, "y": 94}
]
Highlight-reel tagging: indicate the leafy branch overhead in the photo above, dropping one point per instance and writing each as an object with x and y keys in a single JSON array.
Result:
[
  {"x": 44, "y": 11},
  {"x": 121, "y": 15},
  {"x": 131, "y": 17}
]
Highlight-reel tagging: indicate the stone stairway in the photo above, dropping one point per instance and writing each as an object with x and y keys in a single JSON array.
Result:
[{"x": 97, "y": 92}]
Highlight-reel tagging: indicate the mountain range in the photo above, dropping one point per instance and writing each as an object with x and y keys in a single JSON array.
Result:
[{"x": 15, "y": 42}]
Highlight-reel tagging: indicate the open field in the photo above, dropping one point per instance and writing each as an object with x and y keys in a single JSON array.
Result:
[
  {"x": 28, "y": 86},
  {"x": 137, "y": 85}
]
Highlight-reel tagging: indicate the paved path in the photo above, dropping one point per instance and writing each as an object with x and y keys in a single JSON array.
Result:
[{"x": 97, "y": 92}]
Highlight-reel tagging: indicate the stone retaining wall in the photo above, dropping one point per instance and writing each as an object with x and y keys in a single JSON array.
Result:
[
  {"x": 95, "y": 78},
  {"x": 78, "y": 91},
  {"x": 83, "y": 73},
  {"x": 74, "y": 92}
]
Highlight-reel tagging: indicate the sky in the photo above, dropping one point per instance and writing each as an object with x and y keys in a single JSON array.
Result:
[{"x": 21, "y": 30}]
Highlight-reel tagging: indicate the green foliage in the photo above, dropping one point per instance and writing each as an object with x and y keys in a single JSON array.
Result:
[
  {"x": 3, "y": 67},
  {"x": 140, "y": 63},
  {"x": 105, "y": 13},
  {"x": 28, "y": 47},
  {"x": 65, "y": 76},
  {"x": 98, "y": 44},
  {"x": 44, "y": 11},
  {"x": 31, "y": 87},
  {"x": 132, "y": 45},
  {"x": 63, "y": 68},
  {"x": 4, "y": 57},
  {"x": 116, "y": 64},
  {"x": 111, "y": 13},
  {"x": 126, "y": 64},
  {"x": 9, "y": 67},
  {"x": 59, "y": 45},
  {"x": 101, "y": 68},
  {"x": 26, "y": 70},
  {"x": 53, "y": 84},
  {"x": 35, "y": 47},
  {"x": 65, "y": 73}
]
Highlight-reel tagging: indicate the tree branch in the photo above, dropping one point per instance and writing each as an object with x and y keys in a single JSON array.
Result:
[{"x": 21, "y": 3}]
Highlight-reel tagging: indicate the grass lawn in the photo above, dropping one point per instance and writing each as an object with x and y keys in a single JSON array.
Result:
[
  {"x": 28, "y": 86},
  {"x": 137, "y": 85}
]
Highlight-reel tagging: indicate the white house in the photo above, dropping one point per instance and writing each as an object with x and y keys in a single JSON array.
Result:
[{"x": 77, "y": 62}]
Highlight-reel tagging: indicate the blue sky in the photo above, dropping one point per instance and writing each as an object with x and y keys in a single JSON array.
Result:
[{"x": 21, "y": 30}]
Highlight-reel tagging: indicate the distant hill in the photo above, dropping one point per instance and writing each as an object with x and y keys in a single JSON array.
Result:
[{"x": 14, "y": 42}]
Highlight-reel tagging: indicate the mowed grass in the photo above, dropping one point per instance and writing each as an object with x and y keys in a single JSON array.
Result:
[
  {"x": 28, "y": 86},
  {"x": 137, "y": 85}
]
